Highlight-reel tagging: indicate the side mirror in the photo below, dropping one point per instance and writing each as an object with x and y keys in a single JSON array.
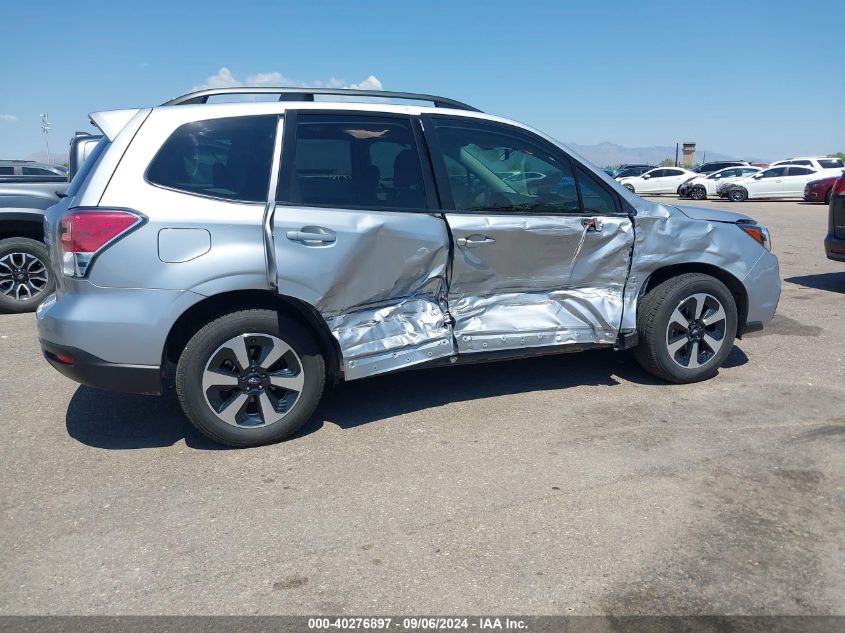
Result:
[
  {"x": 717, "y": 176},
  {"x": 646, "y": 176},
  {"x": 758, "y": 176}
]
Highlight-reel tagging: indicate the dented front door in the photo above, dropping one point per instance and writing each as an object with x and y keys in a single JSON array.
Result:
[
  {"x": 541, "y": 246},
  {"x": 356, "y": 237}
]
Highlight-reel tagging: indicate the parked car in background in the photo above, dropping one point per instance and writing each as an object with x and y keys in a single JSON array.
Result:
[
  {"x": 705, "y": 186},
  {"x": 657, "y": 181},
  {"x": 25, "y": 275},
  {"x": 266, "y": 248},
  {"x": 627, "y": 171},
  {"x": 819, "y": 163},
  {"x": 29, "y": 171},
  {"x": 718, "y": 165},
  {"x": 834, "y": 243},
  {"x": 785, "y": 181},
  {"x": 819, "y": 190}
]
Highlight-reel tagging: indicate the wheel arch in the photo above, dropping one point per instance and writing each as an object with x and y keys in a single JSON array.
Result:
[
  {"x": 733, "y": 284},
  {"x": 214, "y": 306},
  {"x": 22, "y": 225}
]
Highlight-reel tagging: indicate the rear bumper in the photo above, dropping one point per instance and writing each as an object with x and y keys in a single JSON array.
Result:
[
  {"x": 834, "y": 248},
  {"x": 87, "y": 369}
]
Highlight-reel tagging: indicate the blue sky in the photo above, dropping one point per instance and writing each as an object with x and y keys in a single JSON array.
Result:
[{"x": 749, "y": 78}]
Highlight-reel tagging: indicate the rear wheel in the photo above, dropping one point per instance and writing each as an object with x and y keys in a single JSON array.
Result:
[
  {"x": 698, "y": 193},
  {"x": 25, "y": 275},
  {"x": 250, "y": 378},
  {"x": 687, "y": 325},
  {"x": 738, "y": 194}
]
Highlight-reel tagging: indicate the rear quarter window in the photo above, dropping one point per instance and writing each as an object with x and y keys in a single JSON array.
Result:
[
  {"x": 226, "y": 158},
  {"x": 830, "y": 163}
]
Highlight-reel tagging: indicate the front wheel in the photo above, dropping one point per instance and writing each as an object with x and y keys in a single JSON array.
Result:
[
  {"x": 687, "y": 325},
  {"x": 250, "y": 378},
  {"x": 25, "y": 275}
]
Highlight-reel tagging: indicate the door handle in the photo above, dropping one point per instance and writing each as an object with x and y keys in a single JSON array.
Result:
[
  {"x": 474, "y": 240},
  {"x": 592, "y": 224},
  {"x": 323, "y": 236}
]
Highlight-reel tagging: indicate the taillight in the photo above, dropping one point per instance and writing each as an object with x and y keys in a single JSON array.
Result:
[
  {"x": 83, "y": 233},
  {"x": 838, "y": 186}
]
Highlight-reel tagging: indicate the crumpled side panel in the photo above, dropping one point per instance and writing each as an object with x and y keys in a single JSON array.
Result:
[
  {"x": 380, "y": 286},
  {"x": 665, "y": 237},
  {"x": 545, "y": 281}
]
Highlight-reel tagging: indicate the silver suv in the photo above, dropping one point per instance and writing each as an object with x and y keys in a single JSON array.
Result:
[{"x": 266, "y": 248}]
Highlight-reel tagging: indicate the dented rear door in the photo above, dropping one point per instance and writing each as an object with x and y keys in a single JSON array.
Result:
[
  {"x": 357, "y": 236},
  {"x": 541, "y": 247}
]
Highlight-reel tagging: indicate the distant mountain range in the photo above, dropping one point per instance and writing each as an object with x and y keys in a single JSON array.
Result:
[
  {"x": 612, "y": 154},
  {"x": 601, "y": 155}
]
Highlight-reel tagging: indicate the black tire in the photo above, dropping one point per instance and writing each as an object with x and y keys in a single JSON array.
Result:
[
  {"x": 208, "y": 341},
  {"x": 653, "y": 322},
  {"x": 629, "y": 187},
  {"x": 24, "y": 272},
  {"x": 738, "y": 194},
  {"x": 698, "y": 193}
]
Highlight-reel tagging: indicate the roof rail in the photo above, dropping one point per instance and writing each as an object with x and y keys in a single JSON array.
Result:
[{"x": 307, "y": 94}]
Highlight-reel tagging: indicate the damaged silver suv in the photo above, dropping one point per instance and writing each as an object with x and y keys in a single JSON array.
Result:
[{"x": 267, "y": 247}]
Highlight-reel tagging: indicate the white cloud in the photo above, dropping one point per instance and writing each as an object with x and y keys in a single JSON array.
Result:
[
  {"x": 225, "y": 79},
  {"x": 8, "y": 117},
  {"x": 370, "y": 83}
]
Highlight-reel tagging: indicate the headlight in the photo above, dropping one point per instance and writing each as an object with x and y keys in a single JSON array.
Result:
[{"x": 759, "y": 233}]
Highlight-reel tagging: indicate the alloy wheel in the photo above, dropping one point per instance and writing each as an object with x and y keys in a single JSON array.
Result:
[
  {"x": 22, "y": 276},
  {"x": 696, "y": 331},
  {"x": 253, "y": 380}
]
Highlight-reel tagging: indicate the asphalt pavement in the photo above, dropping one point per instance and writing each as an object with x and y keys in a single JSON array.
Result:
[{"x": 571, "y": 484}]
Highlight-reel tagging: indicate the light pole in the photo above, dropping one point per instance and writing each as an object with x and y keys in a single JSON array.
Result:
[{"x": 45, "y": 127}]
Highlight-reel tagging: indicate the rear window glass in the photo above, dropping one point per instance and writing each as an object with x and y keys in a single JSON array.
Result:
[
  {"x": 223, "y": 158},
  {"x": 7, "y": 171},
  {"x": 830, "y": 163}
]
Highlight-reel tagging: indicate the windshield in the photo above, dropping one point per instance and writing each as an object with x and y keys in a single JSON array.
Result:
[{"x": 88, "y": 166}]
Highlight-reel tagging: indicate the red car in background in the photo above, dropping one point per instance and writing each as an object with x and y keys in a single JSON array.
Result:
[{"x": 819, "y": 190}]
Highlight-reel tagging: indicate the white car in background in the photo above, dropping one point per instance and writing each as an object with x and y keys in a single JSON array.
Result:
[
  {"x": 706, "y": 186},
  {"x": 659, "y": 180},
  {"x": 819, "y": 163},
  {"x": 783, "y": 181}
]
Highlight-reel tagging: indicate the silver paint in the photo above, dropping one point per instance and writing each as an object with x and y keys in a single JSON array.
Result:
[{"x": 543, "y": 280}]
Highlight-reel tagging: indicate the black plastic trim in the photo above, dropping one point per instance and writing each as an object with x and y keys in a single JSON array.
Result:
[{"x": 90, "y": 370}]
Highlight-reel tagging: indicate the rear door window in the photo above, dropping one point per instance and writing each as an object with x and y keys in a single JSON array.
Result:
[
  {"x": 353, "y": 161},
  {"x": 799, "y": 171},
  {"x": 7, "y": 171},
  {"x": 222, "y": 158}
]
